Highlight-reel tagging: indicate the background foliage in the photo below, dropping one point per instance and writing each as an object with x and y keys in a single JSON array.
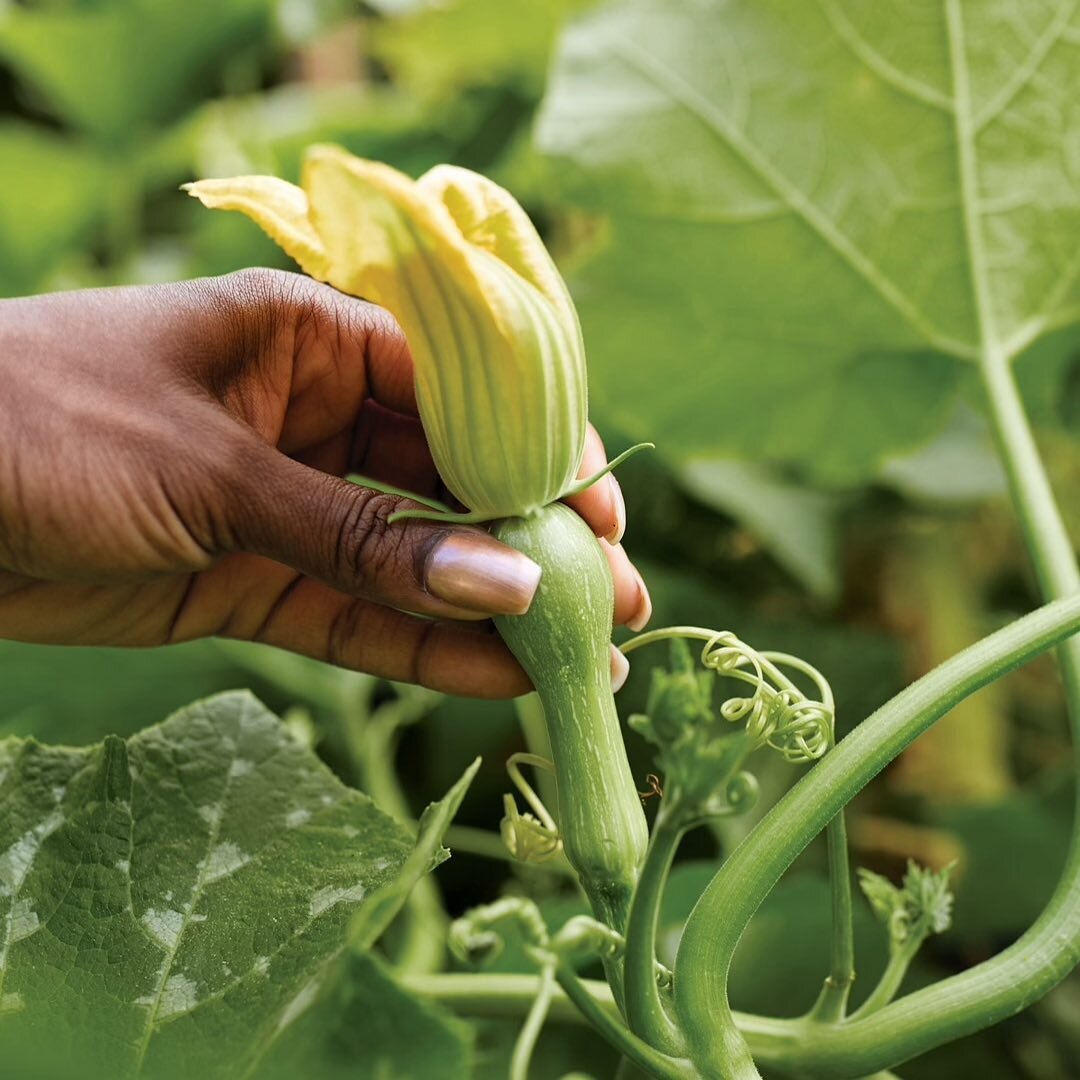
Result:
[{"x": 780, "y": 305}]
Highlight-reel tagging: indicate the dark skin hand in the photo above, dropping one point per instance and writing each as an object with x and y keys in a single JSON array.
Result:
[{"x": 171, "y": 463}]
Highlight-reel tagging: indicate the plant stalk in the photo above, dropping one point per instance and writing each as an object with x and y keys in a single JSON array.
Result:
[
  {"x": 498, "y": 995},
  {"x": 952, "y": 1008},
  {"x": 831, "y": 1004},
  {"x": 891, "y": 978},
  {"x": 625, "y": 1041},
  {"x": 534, "y": 1023},
  {"x": 645, "y": 1009}
]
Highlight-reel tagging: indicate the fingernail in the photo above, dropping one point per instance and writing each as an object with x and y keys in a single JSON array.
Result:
[
  {"x": 471, "y": 570},
  {"x": 644, "y": 608},
  {"x": 619, "y": 503},
  {"x": 620, "y": 668}
]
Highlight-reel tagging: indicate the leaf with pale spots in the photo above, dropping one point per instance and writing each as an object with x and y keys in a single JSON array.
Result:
[{"x": 166, "y": 902}]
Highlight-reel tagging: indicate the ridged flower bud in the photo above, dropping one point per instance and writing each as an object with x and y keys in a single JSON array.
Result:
[{"x": 495, "y": 340}]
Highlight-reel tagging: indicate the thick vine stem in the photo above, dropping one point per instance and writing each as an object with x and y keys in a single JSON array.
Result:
[
  {"x": 653, "y": 1061},
  {"x": 502, "y": 995},
  {"x": 645, "y": 1009},
  {"x": 926, "y": 1018}
]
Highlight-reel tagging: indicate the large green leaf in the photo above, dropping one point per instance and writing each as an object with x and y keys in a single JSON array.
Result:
[
  {"x": 54, "y": 189},
  {"x": 169, "y": 904},
  {"x": 361, "y": 1023},
  {"x": 797, "y": 525},
  {"x": 438, "y": 48},
  {"x": 378, "y": 912},
  {"x": 818, "y": 212},
  {"x": 119, "y": 66}
]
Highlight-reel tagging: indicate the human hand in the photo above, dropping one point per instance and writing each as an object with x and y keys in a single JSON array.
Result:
[{"x": 171, "y": 463}]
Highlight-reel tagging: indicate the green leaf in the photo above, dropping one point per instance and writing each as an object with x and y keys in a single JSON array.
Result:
[
  {"x": 380, "y": 908},
  {"x": 118, "y": 66},
  {"x": 884, "y": 897},
  {"x": 959, "y": 465},
  {"x": 796, "y": 524},
  {"x": 436, "y": 49},
  {"x": 929, "y": 897},
  {"x": 361, "y": 1023},
  {"x": 818, "y": 213},
  {"x": 54, "y": 188},
  {"x": 167, "y": 902},
  {"x": 922, "y": 906}
]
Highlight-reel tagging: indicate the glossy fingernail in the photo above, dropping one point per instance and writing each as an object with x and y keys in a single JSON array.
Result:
[
  {"x": 617, "y": 500},
  {"x": 620, "y": 669},
  {"x": 644, "y": 609},
  {"x": 473, "y": 571}
]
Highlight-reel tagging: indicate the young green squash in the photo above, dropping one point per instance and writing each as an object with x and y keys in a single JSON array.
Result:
[{"x": 563, "y": 643}]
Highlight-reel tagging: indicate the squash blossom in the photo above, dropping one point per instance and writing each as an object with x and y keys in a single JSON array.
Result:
[
  {"x": 500, "y": 383},
  {"x": 495, "y": 339}
]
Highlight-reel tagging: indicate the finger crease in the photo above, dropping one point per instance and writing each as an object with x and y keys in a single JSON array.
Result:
[{"x": 276, "y": 608}]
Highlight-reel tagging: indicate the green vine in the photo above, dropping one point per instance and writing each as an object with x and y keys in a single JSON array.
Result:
[{"x": 928, "y": 1017}]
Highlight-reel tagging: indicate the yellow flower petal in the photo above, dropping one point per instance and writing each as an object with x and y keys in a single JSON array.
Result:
[
  {"x": 492, "y": 221},
  {"x": 279, "y": 208},
  {"x": 499, "y": 363},
  {"x": 388, "y": 242},
  {"x": 490, "y": 218}
]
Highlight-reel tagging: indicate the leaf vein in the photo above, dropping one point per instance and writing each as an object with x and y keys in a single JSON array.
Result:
[
  {"x": 196, "y": 893},
  {"x": 1054, "y": 32},
  {"x": 872, "y": 59},
  {"x": 714, "y": 121}
]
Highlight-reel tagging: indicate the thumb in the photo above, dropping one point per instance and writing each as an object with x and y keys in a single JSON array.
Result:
[{"x": 338, "y": 532}]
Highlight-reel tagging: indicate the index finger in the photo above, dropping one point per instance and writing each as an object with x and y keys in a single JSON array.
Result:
[{"x": 601, "y": 505}]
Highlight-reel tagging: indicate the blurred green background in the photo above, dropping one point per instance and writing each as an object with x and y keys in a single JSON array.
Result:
[{"x": 851, "y": 513}]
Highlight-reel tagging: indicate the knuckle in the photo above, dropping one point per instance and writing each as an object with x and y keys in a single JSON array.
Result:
[
  {"x": 342, "y": 325},
  {"x": 262, "y": 303},
  {"x": 368, "y": 549},
  {"x": 258, "y": 286}
]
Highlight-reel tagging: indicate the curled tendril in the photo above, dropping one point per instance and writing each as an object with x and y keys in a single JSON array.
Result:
[
  {"x": 528, "y": 837},
  {"x": 742, "y": 792},
  {"x": 476, "y": 937},
  {"x": 776, "y": 713}
]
